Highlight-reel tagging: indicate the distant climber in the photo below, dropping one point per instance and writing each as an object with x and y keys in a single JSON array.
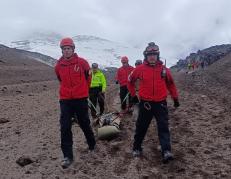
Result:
[
  {"x": 202, "y": 65},
  {"x": 189, "y": 66},
  {"x": 97, "y": 89},
  {"x": 138, "y": 62},
  {"x": 122, "y": 79}
]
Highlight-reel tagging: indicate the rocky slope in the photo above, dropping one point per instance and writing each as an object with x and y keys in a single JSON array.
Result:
[
  {"x": 29, "y": 128},
  {"x": 208, "y": 55}
]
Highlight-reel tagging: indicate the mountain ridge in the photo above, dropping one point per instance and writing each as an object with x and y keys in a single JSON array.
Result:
[
  {"x": 95, "y": 49},
  {"x": 208, "y": 56}
]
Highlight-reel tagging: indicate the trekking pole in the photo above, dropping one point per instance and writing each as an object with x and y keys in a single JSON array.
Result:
[
  {"x": 125, "y": 98},
  {"x": 93, "y": 106}
]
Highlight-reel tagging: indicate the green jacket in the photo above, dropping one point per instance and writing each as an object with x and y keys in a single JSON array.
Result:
[{"x": 98, "y": 79}]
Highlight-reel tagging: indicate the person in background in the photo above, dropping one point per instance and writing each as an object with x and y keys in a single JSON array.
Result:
[
  {"x": 122, "y": 79},
  {"x": 189, "y": 66},
  {"x": 193, "y": 65},
  {"x": 136, "y": 99},
  {"x": 97, "y": 90},
  {"x": 155, "y": 82},
  {"x": 73, "y": 74},
  {"x": 138, "y": 62},
  {"x": 202, "y": 65}
]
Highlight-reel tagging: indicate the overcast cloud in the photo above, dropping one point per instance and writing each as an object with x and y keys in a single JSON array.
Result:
[{"x": 177, "y": 26}]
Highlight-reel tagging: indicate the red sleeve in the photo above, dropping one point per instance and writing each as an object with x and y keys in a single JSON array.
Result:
[
  {"x": 57, "y": 71},
  {"x": 87, "y": 72},
  {"x": 132, "y": 68},
  {"x": 171, "y": 85},
  {"x": 131, "y": 82}
]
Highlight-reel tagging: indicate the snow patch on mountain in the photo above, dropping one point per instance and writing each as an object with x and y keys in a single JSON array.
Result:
[{"x": 95, "y": 49}]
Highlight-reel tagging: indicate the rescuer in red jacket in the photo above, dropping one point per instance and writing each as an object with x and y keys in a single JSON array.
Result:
[
  {"x": 155, "y": 80},
  {"x": 73, "y": 74},
  {"x": 122, "y": 79}
]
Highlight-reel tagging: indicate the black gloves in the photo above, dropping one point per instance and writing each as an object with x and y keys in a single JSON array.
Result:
[{"x": 176, "y": 103}]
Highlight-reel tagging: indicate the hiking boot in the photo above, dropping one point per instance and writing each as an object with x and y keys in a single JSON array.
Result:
[
  {"x": 66, "y": 162},
  {"x": 91, "y": 152},
  {"x": 92, "y": 148},
  {"x": 74, "y": 120},
  {"x": 167, "y": 156},
  {"x": 136, "y": 153}
]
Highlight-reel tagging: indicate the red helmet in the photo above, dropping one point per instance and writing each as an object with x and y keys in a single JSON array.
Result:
[
  {"x": 152, "y": 48},
  {"x": 124, "y": 59},
  {"x": 67, "y": 42}
]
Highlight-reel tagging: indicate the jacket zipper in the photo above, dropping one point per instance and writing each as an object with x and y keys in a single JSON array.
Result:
[
  {"x": 153, "y": 81},
  {"x": 70, "y": 78}
]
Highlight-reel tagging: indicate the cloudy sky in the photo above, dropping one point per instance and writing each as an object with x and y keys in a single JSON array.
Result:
[{"x": 177, "y": 26}]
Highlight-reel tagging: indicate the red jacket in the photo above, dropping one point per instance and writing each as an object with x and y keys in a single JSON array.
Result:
[
  {"x": 153, "y": 85},
  {"x": 122, "y": 74},
  {"x": 74, "y": 78}
]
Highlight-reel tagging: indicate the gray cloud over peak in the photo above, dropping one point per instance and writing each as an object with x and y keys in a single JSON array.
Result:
[{"x": 178, "y": 26}]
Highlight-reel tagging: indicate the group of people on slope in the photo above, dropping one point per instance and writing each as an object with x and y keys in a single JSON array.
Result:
[
  {"x": 80, "y": 84},
  {"x": 195, "y": 65}
]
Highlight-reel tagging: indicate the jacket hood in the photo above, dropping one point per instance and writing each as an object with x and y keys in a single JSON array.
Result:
[
  {"x": 71, "y": 60},
  {"x": 158, "y": 63}
]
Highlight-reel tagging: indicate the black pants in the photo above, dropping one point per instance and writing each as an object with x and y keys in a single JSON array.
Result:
[
  {"x": 96, "y": 96},
  {"x": 68, "y": 109},
  {"x": 146, "y": 112},
  {"x": 123, "y": 92}
]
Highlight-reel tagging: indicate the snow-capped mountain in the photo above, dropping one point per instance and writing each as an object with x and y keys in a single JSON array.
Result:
[{"x": 105, "y": 52}]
